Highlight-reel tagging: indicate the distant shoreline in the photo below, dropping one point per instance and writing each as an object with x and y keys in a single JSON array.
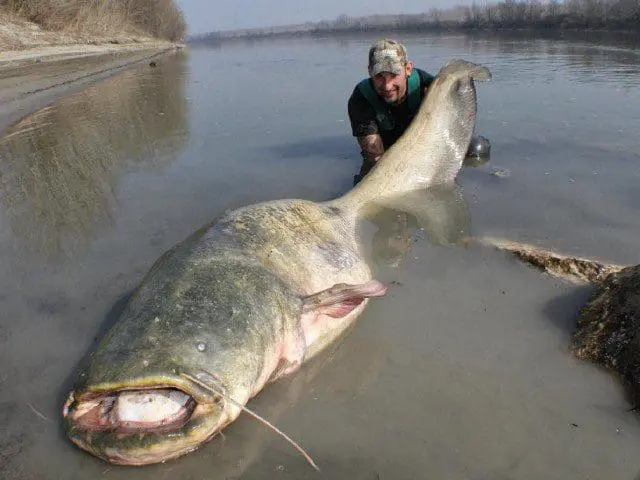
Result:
[
  {"x": 617, "y": 16},
  {"x": 613, "y": 37}
]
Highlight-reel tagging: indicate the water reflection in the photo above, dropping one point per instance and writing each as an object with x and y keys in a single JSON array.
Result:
[
  {"x": 244, "y": 448},
  {"x": 590, "y": 58},
  {"x": 441, "y": 212},
  {"x": 61, "y": 166}
]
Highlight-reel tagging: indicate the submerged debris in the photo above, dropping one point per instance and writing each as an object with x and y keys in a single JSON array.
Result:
[
  {"x": 501, "y": 173},
  {"x": 573, "y": 269}
]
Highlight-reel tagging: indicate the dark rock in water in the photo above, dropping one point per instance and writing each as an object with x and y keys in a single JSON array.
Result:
[
  {"x": 153, "y": 64},
  {"x": 609, "y": 329}
]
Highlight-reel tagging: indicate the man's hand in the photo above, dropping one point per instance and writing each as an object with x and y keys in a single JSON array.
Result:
[{"x": 372, "y": 147}]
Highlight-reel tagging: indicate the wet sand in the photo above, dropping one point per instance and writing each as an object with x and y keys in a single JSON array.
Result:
[
  {"x": 33, "y": 78},
  {"x": 462, "y": 371}
]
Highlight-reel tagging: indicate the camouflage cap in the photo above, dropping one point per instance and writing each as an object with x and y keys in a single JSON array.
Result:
[{"x": 387, "y": 56}]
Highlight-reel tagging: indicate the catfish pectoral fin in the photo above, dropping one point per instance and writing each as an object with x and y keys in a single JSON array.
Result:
[
  {"x": 327, "y": 313},
  {"x": 340, "y": 299}
]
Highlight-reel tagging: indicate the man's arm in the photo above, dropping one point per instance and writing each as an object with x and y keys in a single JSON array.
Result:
[
  {"x": 364, "y": 127},
  {"x": 371, "y": 146}
]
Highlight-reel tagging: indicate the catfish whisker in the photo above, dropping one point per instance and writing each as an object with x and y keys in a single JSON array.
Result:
[{"x": 256, "y": 416}]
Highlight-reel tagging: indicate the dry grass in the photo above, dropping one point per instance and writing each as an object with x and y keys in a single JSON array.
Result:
[
  {"x": 31, "y": 22},
  {"x": 17, "y": 33}
]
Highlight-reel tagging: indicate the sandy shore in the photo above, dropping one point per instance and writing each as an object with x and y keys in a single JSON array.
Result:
[{"x": 32, "y": 78}]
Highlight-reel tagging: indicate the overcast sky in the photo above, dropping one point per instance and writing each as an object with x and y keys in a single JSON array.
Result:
[{"x": 209, "y": 15}]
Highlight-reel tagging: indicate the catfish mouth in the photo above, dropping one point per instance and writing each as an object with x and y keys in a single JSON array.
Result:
[
  {"x": 141, "y": 426},
  {"x": 133, "y": 411}
]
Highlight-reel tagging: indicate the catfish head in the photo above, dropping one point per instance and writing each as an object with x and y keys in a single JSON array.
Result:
[{"x": 187, "y": 355}]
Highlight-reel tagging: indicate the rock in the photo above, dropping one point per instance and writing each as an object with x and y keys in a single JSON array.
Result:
[{"x": 608, "y": 330}]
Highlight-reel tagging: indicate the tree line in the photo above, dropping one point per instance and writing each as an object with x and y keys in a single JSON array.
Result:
[
  {"x": 530, "y": 14},
  {"x": 570, "y": 14},
  {"x": 510, "y": 14}
]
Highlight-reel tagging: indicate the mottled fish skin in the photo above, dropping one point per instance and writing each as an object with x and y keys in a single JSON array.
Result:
[{"x": 254, "y": 294}]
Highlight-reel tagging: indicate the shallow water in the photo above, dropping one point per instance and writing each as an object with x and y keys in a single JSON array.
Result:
[{"x": 460, "y": 371}]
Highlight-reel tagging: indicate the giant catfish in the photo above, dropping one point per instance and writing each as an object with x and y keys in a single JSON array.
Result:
[{"x": 250, "y": 297}]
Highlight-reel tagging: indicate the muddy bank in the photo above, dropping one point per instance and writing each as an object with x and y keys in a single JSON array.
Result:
[{"x": 31, "y": 79}]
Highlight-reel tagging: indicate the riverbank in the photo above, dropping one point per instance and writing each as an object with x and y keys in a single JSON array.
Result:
[
  {"x": 31, "y": 78},
  {"x": 39, "y": 65},
  {"x": 54, "y": 53}
]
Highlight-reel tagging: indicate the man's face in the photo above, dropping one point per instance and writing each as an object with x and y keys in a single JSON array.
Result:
[{"x": 391, "y": 87}]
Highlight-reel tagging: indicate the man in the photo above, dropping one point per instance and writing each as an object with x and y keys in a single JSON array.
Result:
[{"x": 382, "y": 106}]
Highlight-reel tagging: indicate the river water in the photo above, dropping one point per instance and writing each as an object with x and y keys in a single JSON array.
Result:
[{"x": 461, "y": 371}]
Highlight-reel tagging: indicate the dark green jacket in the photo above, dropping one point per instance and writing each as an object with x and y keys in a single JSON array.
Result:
[{"x": 370, "y": 114}]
